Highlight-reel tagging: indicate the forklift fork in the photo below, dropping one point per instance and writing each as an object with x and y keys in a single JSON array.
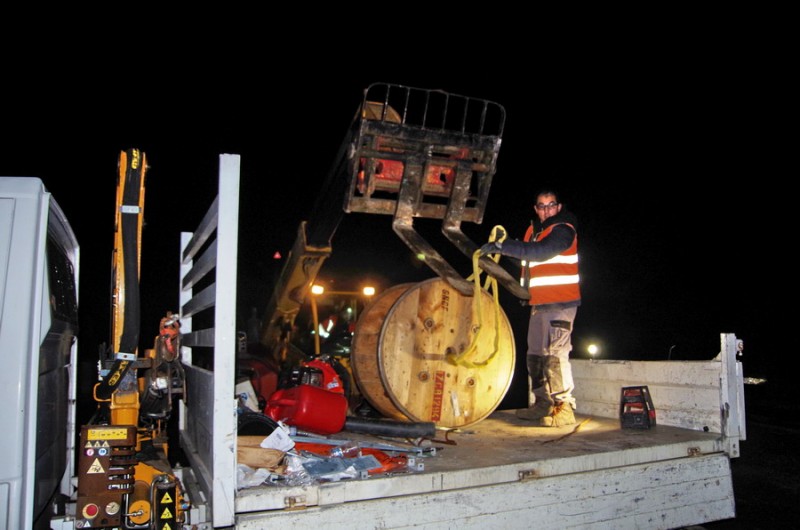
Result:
[{"x": 430, "y": 154}]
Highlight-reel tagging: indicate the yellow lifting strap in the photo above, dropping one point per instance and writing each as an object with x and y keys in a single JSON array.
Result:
[{"x": 490, "y": 285}]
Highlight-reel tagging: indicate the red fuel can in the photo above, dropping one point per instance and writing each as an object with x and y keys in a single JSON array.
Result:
[{"x": 309, "y": 408}]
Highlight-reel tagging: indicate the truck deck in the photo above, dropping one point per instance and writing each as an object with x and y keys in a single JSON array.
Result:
[{"x": 502, "y": 472}]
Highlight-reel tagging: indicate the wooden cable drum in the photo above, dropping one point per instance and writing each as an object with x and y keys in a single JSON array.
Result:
[
  {"x": 364, "y": 351},
  {"x": 403, "y": 354}
]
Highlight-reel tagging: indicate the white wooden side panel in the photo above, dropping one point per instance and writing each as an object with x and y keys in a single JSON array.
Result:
[
  {"x": 697, "y": 395},
  {"x": 186, "y": 322},
  {"x": 224, "y": 406},
  {"x": 685, "y": 393},
  {"x": 207, "y": 421},
  {"x": 732, "y": 392},
  {"x": 197, "y": 438},
  {"x": 660, "y": 495}
]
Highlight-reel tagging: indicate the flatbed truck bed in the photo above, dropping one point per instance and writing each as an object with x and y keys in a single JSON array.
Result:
[{"x": 502, "y": 472}]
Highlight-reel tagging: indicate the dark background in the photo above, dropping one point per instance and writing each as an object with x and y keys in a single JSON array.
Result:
[
  {"x": 669, "y": 168},
  {"x": 671, "y": 158}
]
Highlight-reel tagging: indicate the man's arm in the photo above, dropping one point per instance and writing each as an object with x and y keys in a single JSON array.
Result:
[{"x": 559, "y": 239}]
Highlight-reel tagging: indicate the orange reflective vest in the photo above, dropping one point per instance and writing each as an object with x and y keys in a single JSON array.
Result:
[{"x": 556, "y": 280}]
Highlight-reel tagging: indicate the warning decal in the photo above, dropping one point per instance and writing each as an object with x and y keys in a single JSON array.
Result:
[{"x": 96, "y": 467}]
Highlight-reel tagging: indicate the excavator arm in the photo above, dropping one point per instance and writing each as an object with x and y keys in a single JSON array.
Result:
[{"x": 299, "y": 272}]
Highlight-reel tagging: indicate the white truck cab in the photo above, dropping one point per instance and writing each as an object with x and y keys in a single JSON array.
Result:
[{"x": 39, "y": 257}]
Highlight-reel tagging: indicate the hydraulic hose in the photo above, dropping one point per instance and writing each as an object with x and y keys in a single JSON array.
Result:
[{"x": 384, "y": 427}]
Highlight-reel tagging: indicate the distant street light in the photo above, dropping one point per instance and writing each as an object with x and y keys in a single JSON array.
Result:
[{"x": 593, "y": 349}]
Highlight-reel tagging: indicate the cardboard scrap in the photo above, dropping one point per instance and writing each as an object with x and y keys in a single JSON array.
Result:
[{"x": 250, "y": 453}]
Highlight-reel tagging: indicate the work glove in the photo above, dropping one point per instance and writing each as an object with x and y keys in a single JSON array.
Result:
[{"x": 493, "y": 247}]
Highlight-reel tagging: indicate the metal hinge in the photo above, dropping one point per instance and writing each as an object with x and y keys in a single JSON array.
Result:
[{"x": 298, "y": 501}]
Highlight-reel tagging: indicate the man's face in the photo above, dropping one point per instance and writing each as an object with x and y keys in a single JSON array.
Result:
[{"x": 546, "y": 206}]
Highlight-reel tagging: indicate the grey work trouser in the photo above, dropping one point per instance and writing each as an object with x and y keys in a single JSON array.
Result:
[{"x": 550, "y": 335}]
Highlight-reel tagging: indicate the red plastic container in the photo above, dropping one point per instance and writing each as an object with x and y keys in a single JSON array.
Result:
[{"x": 309, "y": 408}]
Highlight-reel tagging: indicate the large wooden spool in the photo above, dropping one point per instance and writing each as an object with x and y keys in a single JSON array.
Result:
[{"x": 400, "y": 354}]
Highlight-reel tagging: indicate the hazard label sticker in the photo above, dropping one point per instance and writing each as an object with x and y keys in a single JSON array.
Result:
[{"x": 96, "y": 467}]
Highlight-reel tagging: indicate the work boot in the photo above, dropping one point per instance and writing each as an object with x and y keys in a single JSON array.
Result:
[
  {"x": 543, "y": 406},
  {"x": 562, "y": 415},
  {"x": 542, "y": 401}
]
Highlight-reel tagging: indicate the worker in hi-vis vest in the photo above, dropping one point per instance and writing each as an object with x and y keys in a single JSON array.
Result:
[{"x": 549, "y": 256}]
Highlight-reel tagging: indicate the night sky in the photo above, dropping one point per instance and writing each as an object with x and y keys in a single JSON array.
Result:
[{"x": 664, "y": 163}]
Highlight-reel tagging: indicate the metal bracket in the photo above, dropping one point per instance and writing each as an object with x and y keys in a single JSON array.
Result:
[
  {"x": 296, "y": 501},
  {"x": 413, "y": 465}
]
